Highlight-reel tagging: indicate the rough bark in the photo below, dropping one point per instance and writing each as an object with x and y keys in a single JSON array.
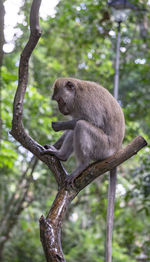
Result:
[{"x": 50, "y": 227}]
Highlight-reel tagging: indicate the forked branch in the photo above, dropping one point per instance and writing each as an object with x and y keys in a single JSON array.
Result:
[{"x": 50, "y": 227}]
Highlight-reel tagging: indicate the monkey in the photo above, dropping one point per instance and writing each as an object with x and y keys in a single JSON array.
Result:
[
  {"x": 96, "y": 129},
  {"x": 95, "y": 132}
]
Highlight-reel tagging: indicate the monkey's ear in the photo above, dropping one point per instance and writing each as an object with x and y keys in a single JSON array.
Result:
[{"x": 70, "y": 86}]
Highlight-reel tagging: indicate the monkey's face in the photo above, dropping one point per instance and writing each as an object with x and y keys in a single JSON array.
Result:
[{"x": 64, "y": 92}]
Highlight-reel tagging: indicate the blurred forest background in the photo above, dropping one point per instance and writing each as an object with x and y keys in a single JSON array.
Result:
[{"x": 79, "y": 40}]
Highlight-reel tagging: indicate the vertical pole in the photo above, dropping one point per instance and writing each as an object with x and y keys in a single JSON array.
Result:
[
  {"x": 113, "y": 172},
  {"x": 110, "y": 214},
  {"x": 116, "y": 79}
]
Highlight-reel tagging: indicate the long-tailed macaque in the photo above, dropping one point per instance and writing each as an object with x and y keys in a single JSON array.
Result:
[
  {"x": 97, "y": 128},
  {"x": 95, "y": 132}
]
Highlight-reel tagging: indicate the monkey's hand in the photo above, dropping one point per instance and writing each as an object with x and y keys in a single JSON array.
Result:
[
  {"x": 49, "y": 150},
  {"x": 66, "y": 125},
  {"x": 57, "y": 126},
  {"x": 52, "y": 151}
]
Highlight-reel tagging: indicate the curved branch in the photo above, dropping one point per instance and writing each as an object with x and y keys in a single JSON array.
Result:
[
  {"x": 99, "y": 168},
  {"x": 18, "y": 130}
]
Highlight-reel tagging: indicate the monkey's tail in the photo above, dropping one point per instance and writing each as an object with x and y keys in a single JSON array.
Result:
[{"x": 110, "y": 214}]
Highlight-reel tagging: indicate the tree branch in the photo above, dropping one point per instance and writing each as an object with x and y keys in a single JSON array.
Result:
[
  {"x": 99, "y": 168},
  {"x": 18, "y": 131},
  {"x": 50, "y": 227}
]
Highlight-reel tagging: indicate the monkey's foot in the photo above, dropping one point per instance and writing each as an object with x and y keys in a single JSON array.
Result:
[
  {"x": 70, "y": 180},
  {"x": 52, "y": 151}
]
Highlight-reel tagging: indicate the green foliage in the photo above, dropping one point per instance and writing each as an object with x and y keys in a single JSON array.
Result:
[{"x": 79, "y": 41}]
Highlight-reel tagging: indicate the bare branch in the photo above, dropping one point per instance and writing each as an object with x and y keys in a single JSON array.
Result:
[
  {"x": 18, "y": 131},
  {"x": 99, "y": 168}
]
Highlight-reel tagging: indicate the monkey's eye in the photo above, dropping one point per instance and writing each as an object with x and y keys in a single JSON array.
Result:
[{"x": 70, "y": 85}]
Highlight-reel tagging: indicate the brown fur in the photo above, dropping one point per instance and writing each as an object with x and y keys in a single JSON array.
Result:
[{"x": 99, "y": 129}]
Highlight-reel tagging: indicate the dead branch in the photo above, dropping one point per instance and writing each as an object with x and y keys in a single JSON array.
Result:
[
  {"x": 18, "y": 131},
  {"x": 50, "y": 228},
  {"x": 99, "y": 168}
]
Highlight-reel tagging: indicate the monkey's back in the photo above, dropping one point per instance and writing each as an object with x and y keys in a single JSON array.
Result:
[{"x": 99, "y": 107}]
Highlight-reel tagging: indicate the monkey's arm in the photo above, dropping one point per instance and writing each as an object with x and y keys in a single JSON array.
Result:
[
  {"x": 66, "y": 125},
  {"x": 66, "y": 148},
  {"x": 60, "y": 141}
]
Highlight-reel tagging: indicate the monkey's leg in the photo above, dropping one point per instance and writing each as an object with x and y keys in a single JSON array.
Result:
[
  {"x": 57, "y": 126},
  {"x": 66, "y": 149},
  {"x": 60, "y": 141},
  {"x": 90, "y": 143},
  {"x": 77, "y": 171},
  {"x": 57, "y": 144}
]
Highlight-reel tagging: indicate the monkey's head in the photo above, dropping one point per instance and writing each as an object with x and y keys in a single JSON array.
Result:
[{"x": 64, "y": 94}]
